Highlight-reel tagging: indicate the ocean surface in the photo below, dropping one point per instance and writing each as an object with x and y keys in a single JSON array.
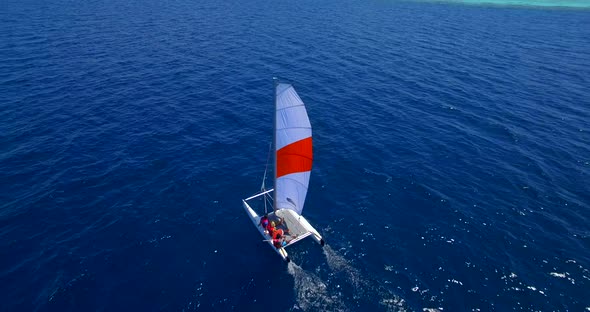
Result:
[{"x": 452, "y": 155}]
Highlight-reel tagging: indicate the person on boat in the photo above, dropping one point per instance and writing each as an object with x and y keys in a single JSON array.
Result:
[
  {"x": 264, "y": 222},
  {"x": 278, "y": 241},
  {"x": 281, "y": 240},
  {"x": 280, "y": 222},
  {"x": 274, "y": 231},
  {"x": 277, "y": 232},
  {"x": 271, "y": 227}
]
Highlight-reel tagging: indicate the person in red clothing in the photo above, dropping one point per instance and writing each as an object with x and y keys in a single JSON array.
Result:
[
  {"x": 270, "y": 228},
  {"x": 280, "y": 240},
  {"x": 277, "y": 232}
]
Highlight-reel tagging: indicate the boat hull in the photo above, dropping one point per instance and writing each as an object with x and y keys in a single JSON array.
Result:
[
  {"x": 255, "y": 218},
  {"x": 298, "y": 226}
]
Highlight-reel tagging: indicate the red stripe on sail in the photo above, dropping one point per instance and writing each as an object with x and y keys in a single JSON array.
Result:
[{"x": 295, "y": 157}]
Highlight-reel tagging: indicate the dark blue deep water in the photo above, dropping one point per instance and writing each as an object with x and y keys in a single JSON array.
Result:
[{"x": 452, "y": 155}]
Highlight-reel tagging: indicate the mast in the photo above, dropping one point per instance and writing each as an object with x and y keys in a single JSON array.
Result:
[{"x": 274, "y": 142}]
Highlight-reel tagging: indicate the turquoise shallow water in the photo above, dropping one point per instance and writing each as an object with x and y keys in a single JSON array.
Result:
[
  {"x": 581, "y": 4},
  {"x": 451, "y": 168}
]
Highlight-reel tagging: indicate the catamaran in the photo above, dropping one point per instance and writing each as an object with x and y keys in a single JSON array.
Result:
[{"x": 292, "y": 168}]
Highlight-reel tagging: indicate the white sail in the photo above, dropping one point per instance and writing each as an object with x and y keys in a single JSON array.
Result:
[{"x": 293, "y": 149}]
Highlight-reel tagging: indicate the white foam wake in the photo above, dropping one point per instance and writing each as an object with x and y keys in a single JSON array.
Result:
[
  {"x": 312, "y": 293},
  {"x": 338, "y": 264},
  {"x": 363, "y": 287}
]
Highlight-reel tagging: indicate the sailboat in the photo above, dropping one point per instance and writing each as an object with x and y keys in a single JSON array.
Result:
[{"x": 292, "y": 155}]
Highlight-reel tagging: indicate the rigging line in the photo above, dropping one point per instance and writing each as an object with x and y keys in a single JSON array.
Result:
[
  {"x": 265, "y": 210},
  {"x": 266, "y": 199},
  {"x": 266, "y": 168}
]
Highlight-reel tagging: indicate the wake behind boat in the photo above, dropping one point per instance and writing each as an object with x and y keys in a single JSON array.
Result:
[{"x": 292, "y": 155}]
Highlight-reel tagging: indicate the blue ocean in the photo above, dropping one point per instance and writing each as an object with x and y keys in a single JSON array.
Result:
[{"x": 451, "y": 155}]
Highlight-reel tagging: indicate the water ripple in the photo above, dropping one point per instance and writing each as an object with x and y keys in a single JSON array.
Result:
[{"x": 451, "y": 149}]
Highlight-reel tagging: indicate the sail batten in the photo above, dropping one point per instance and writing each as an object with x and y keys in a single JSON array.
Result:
[{"x": 293, "y": 149}]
